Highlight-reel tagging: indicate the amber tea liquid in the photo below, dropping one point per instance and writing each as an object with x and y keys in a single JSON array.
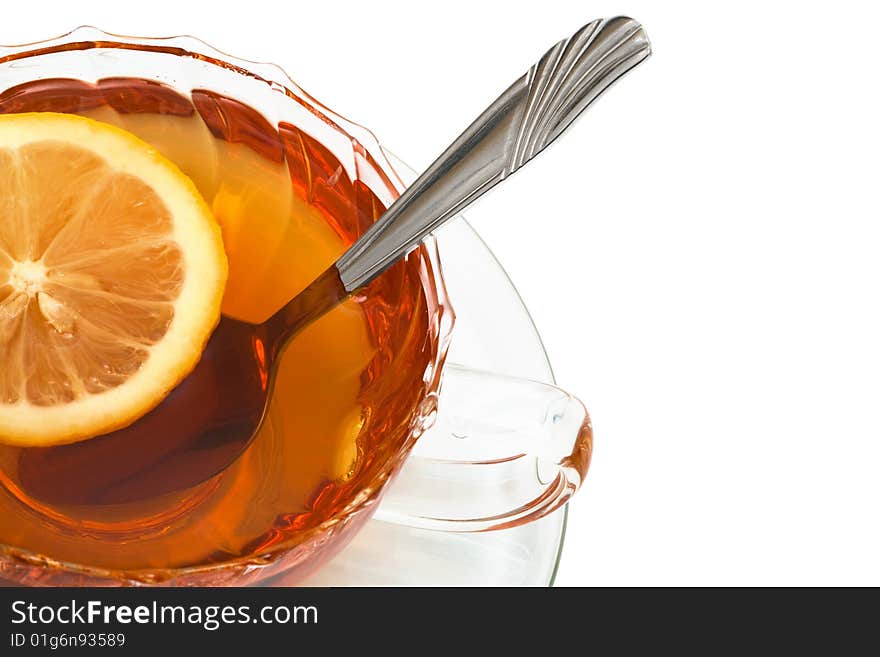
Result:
[{"x": 287, "y": 210}]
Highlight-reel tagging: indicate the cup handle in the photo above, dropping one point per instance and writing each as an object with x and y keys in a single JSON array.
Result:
[{"x": 503, "y": 451}]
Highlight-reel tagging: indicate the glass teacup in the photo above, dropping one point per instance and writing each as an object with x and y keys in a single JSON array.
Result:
[{"x": 521, "y": 448}]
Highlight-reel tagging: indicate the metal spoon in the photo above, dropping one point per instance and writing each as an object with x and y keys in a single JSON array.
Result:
[{"x": 208, "y": 420}]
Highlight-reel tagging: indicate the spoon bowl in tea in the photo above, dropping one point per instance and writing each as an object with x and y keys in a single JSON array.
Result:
[{"x": 208, "y": 420}]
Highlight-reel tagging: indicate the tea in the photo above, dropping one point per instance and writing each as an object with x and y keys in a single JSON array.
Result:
[{"x": 287, "y": 209}]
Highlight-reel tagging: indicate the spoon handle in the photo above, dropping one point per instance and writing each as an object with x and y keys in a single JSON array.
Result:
[{"x": 526, "y": 118}]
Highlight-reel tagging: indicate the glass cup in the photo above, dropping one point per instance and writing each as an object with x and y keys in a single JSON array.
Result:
[{"x": 505, "y": 451}]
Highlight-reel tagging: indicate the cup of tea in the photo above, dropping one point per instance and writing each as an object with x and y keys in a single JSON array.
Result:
[{"x": 291, "y": 184}]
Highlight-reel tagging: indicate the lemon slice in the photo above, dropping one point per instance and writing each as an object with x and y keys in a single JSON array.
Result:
[{"x": 112, "y": 273}]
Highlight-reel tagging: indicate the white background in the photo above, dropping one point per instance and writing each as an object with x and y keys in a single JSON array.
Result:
[{"x": 700, "y": 252}]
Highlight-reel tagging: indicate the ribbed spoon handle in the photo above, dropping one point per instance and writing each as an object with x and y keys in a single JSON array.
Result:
[{"x": 526, "y": 118}]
